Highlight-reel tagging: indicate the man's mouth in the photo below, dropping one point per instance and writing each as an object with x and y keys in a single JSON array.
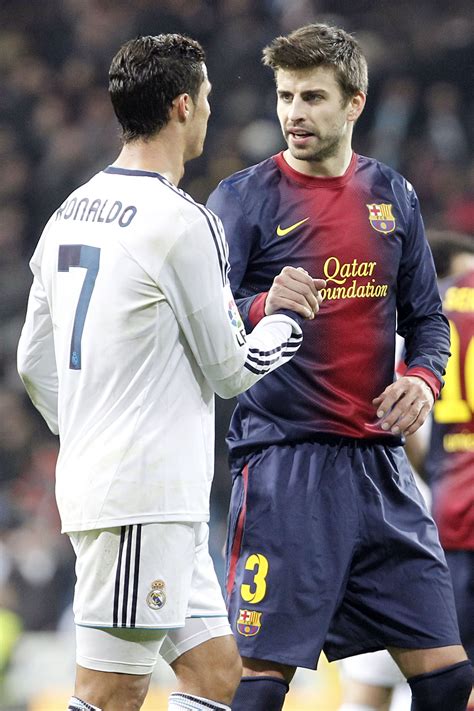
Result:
[
  {"x": 299, "y": 133},
  {"x": 299, "y": 136}
]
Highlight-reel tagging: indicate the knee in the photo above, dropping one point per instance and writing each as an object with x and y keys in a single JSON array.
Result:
[
  {"x": 131, "y": 700},
  {"x": 211, "y": 670},
  {"x": 228, "y": 675},
  {"x": 117, "y": 692},
  {"x": 446, "y": 688}
]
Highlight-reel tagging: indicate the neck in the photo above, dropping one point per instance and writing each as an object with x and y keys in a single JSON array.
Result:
[
  {"x": 160, "y": 154},
  {"x": 332, "y": 167}
]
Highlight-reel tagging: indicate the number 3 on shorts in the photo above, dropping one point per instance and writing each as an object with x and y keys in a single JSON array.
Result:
[{"x": 256, "y": 592}]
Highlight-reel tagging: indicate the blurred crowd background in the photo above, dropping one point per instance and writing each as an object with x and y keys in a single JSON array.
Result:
[{"x": 57, "y": 129}]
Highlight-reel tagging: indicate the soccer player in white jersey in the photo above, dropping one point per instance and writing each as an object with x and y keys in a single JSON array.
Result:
[{"x": 131, "y": 327}]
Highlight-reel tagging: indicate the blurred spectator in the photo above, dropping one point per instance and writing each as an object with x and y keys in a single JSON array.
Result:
[
  {"x": 37, "y": 568},
  {"x": 392, "y": 119},
  {"x": 444, "y": 127},
  {"x": 460, "y": 210},
  {"x": 16, "y": 435}
]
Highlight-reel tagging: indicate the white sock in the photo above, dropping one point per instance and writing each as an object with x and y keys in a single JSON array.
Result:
[
  {"x": 186, "y": 702},
  {"x": 357, "y": 707},
  {"x": 76, "y": 704}
]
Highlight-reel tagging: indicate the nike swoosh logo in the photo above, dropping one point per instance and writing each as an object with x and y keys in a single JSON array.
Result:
[{"x": 281, "y": 232}]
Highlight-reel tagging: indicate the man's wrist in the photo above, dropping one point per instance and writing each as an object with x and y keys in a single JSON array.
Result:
[
  {"x": 257, "y": 309},
  {"x": 428, "y": 377}
]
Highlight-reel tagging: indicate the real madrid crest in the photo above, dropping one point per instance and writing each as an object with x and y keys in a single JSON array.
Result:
[{"x": 156, "y": 598}]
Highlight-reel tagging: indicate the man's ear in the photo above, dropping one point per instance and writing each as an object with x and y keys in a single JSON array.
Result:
[
  {"x": 356, "y": 106},
  {"x": 182, "y": 107}
]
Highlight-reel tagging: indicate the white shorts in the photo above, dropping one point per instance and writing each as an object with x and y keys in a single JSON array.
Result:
[
  {"x": 136, "y": 586},
  {"x": 374, "y": 669}
]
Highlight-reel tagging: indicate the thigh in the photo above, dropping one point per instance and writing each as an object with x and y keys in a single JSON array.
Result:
[
  {"x": 195, "y": 632},
  {"x": 118, "y": 651},
  {"x": 136, "y": 576},
  {"x": 211, "y": 670},
  {"x": 206, "y": 614},
  {"x": 291, "y": 533},
  {"x": 399, "y": 593},
  {"x": 413, "y": 662}
]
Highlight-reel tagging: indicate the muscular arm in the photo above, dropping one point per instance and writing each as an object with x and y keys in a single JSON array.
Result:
[{"x": 404, "y": 405}]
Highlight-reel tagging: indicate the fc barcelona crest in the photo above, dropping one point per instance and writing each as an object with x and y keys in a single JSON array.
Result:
[
  {"x": 381, "y": 218},
  {"x": 249, "y": 622}
]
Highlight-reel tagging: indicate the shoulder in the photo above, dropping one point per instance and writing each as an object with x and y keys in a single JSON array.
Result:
[
  {"x": 249, "y": 179},
  {"x": 193, "y": 220},
  {"x": 189, "y": 211},
  {"x": 389, "y": 180},
  {"x": 164, "y": 207}
]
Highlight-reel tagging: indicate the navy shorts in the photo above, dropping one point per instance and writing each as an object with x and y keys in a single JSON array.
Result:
[
  {"x": 461, "y": 565},
  {"x": 330, "y": 547}
]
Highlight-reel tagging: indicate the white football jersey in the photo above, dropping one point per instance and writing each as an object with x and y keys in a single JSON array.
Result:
[{"x": 131, "y": 327}]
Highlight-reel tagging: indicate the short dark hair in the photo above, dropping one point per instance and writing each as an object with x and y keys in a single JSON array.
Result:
[
  {"x": 147, "y": 74},
  {"x": 319, "y": 45},
  {"x": 445, "y": 246}
]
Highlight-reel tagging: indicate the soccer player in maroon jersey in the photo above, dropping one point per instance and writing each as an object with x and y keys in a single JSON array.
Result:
[
  {"x": 446, "y": 460},
  {"x": 330, "y": 545}
]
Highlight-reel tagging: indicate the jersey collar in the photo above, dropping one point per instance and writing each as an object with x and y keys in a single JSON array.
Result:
[{"x": 311, "y": 181}]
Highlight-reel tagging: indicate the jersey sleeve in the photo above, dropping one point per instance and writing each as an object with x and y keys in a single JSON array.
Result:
[
  {"x": 194, "y": 281},
  {"x": 36, "y": 359},
  {"x": 420, "y": 318},
  {"x": 241, "y": 237}
]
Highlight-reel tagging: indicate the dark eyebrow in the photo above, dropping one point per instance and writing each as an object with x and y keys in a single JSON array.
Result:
[{"x": 314, "y": 91}]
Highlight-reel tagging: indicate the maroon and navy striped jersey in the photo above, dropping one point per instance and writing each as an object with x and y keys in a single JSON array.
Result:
[
  {"x": 449, "y": 464},
  {"x": 364, "y": 234}
]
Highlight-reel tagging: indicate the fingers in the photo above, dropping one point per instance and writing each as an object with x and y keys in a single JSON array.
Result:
[
  {"x": 418, "y": 422},
  {"x": 404, "y": 406},
  {"x": 406, "y": 418},
  {"x": 319, "y": 283},
  {"x": 296, "y": 290}
]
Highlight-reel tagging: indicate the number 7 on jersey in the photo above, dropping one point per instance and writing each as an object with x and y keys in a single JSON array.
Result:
[{"x": 79, "y": 255}]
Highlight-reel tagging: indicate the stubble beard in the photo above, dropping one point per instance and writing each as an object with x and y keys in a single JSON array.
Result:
[{"x": 328, "y": 148}]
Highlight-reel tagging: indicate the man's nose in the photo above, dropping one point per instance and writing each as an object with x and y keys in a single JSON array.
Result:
[{"x": 296, "y": 110}]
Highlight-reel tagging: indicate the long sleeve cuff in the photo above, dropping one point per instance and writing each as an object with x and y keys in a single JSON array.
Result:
[
  {"x": 257, "y": 310},
  {"x": 428, "y": 376}
]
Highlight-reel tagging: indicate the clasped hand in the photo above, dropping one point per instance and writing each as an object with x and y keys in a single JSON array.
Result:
[{"x": 296, "y": 290}]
